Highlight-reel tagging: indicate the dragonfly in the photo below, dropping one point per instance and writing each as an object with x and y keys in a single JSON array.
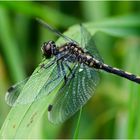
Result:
[{"x": 76, "y": 66}]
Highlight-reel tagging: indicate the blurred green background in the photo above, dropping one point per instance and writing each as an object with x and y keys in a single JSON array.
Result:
[{"x": 114, "y": 111}]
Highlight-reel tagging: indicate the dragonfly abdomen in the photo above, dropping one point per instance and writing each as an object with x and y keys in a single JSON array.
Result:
[
  {"x": 121, "y": 73},
  {"x": 92, "y": 62}
]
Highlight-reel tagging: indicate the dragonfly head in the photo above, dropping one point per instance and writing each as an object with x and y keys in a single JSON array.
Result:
[{"x": 48, "y": 49}]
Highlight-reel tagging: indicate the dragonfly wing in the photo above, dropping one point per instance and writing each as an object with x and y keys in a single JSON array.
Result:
[
  {"x": 54, "y": 80},
  {"x": 73, "y": 96},
  {"x": 14, "y": 94},
  {"x": 88, "y": 42},
  {"x": 46, "y": 25},
  {"x": 37, "y": 84}
]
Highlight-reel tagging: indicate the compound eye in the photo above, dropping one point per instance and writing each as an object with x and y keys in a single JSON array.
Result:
[{"x": 47, "y": 49}]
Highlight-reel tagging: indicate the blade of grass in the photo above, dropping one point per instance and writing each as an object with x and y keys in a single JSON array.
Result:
[
  {"x": 120, "y": 26},
  {"x": 76, "y": 133},
  {"x": 10, "y": 48}
]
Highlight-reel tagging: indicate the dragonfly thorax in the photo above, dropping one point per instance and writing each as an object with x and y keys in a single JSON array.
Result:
[{"x": 49, "y": 49}]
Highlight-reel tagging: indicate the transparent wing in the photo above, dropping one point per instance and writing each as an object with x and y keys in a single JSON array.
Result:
[
  {"x": 13, "y": 96},
  {"x": 49, "y": 84},
  {"x": 53, "y": 78},
  {"x": 88, "y": 42},
  {"x": 74, "y": 95},
  {"x": 14, "y": 91}
]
